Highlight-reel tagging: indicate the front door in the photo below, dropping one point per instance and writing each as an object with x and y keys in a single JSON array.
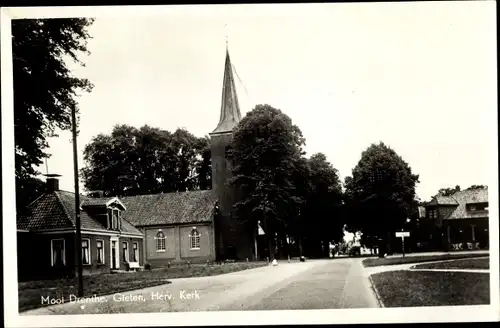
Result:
[{"x": 113, "y": 255}]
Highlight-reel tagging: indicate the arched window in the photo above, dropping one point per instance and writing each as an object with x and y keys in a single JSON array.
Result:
[
  {"x": 160, "y": 242},
  {"x": 195, "y": 239}
]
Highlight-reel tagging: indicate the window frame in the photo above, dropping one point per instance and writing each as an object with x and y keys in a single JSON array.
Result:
[
  {"x": 194, "y": 239},
  {"x": 52, "y": 251},
  {"x": 114, "y": 223},
  {"x": 103, "y": 257},
  {"x": 88, "y": 252},
  {"x": 135, "y": 247},
  {"x": 159, "y": 240},
  {"x": 126, "y": 255}
]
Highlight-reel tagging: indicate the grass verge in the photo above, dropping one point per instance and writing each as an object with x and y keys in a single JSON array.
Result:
[
  {"x": 464, "y": 264},
  {"x": 416, "y": 259},
  {"x": 31, "y": 292},
  {"x": 417, "y": 288}
]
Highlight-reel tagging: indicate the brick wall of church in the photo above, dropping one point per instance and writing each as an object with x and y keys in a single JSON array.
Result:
[{"x": 177, "y": 244}]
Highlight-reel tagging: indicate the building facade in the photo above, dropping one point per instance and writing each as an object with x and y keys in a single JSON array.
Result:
[
  {"x": 459, "y": 221},
  {"x": 46, "y": 236},
  {"x": 177, "y": 227}
]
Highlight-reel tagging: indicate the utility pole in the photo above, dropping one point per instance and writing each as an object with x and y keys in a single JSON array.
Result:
[{"x": 78, "y": 238}]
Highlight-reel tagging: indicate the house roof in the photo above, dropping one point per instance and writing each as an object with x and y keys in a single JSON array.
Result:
[
  {"x": 442, "y": 200},
  {"x": 56, "y": 210},
  {"x": 473, "y": 196},
  {"x": 460, "y": 200},
  {"x": 170, "y": 208}
]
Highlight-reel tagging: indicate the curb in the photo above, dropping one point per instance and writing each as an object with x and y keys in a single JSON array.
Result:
[{"x": 377, "y": 295}]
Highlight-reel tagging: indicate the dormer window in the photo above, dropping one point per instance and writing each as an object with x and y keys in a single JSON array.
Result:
[{"x": 114, "y": 218}]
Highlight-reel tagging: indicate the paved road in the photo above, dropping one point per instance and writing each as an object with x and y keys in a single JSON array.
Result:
[{"x": 315, "y": 284}]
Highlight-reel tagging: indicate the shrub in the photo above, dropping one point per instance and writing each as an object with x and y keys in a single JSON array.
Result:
[{"x": 147, "y": 266}]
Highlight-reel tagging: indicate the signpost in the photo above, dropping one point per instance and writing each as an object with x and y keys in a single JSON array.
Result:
[{"x": 402, "y": 235}]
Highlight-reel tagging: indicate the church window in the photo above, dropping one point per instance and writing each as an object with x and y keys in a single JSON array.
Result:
[
  {"x": 195, "y": 239},
  {"x": 160, "y": 242},
  {"x": 229, "y": 152}
]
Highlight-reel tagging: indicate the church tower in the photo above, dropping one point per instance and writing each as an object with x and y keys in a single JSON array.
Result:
[{"x": 227, "y": 237}]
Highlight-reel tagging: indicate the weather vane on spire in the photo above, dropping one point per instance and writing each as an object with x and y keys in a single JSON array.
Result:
[{"x": 225, "y": 30}]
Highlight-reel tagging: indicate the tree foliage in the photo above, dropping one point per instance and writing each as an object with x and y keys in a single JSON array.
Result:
[
  {"x": 475, "y": 187},
  {"x": 448, "y": 191},
  {"x": 45, "y": 90},
  {"x": 380, "y": 194},
  {"x": 267, "y": 148},
  {"x": 301, "y": 197},
  {"x": 148, "y": 160},
  {"x": 323, "y": 219}
]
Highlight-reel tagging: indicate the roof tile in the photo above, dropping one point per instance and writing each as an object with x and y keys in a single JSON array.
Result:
[
  {"x": 56, "y": 210},
  {"x": 170, "y": 208}
]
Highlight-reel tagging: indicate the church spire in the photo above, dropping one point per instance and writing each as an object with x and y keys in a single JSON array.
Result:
[{"x": 230, "y": 113}]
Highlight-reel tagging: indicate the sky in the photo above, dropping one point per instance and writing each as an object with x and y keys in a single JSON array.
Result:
[{"x": 418, "y": 76}]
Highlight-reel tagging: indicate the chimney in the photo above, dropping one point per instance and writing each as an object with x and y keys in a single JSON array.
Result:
[{"x": 52, "y": 182}]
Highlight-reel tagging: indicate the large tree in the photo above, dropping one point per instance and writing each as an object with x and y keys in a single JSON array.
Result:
[
  {"x": 148, "y": 160},
  {"x": 267, "y": 149},
  {"x": 45, "y": 90},
  {"x": 323, "y": 207},
  {"x": 380, "y": 194}
]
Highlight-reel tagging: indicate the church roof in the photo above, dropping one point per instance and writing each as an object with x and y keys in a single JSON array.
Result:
[
  {"x": 230, "y": 113},
  {"x": 170, "y": 208}
]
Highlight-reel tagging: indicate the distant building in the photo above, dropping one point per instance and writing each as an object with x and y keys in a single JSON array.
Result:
[{"x": 458, "y": 221}]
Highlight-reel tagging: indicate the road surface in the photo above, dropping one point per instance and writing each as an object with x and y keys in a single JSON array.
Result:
[{"x": 315, "y": 284}]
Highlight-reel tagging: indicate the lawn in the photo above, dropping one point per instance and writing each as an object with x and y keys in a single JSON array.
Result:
[
  {"x": 416, "y": 259},
  {"x": 419, "y": 288},
  {"x": 483, "y": 263},
  {"x": 30, "y": 293}
]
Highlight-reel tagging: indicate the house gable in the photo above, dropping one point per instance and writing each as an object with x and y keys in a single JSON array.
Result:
[{"x": 55, "y": 211}]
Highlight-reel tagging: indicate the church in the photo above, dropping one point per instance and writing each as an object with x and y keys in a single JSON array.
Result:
[{"x": 121, "y": 233}]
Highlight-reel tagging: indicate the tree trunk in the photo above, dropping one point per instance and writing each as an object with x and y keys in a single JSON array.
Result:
[{"x": 300, "y": 246}]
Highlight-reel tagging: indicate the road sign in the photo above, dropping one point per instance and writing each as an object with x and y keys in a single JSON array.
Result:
[{"x": 403, "y": 234}]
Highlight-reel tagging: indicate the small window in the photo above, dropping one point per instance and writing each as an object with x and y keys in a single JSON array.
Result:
[
  {"x": 125, "y": 251},
  {"x": 160, "y": 242},
  {"x": 136, "y": 252},
  {"x": 115, "y": 220},
  {"x": 195, "y": 239},
  {"x": 229, "y": 152},
  {"x": 100, "y": 251},
  {"x": 58, "y": 255},
  {"x": 86, "y": 251}
]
